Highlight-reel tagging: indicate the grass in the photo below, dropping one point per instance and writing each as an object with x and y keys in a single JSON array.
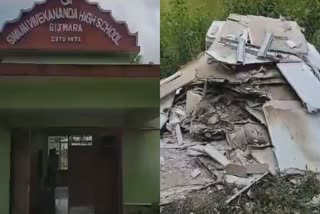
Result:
[
  {"x": 213, "y": 7},
  {"x": 184, "y": 24},
  {"x": 272, "y": 195}
]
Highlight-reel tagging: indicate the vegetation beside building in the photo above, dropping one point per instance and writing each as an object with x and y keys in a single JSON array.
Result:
[{"x": 184, "y": 23}]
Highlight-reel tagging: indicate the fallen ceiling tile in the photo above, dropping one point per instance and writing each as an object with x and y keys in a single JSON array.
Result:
[
  {"x": 250, "y": 134},
  {"x": 209, "y": 164},
  {"x": 170, "y": 78},
  {"x": 167, "y": 102},
  {"x": 227, "y": 54},
  {"x": 265, "y": 45},
  {"x": 231, "y": 179},
  {"x": 256, "y": 168},
  {"x": 193, "y": 99},
  {"x": 313, "y": 56},
  {"x": 216, "y": 155},
  {"x": 282, "y": 32},
  {"x": 258, "y": 114},
  {"x": 220, "y": 145},
  {"x": 266, "y": 155},
  {"x": 294, "y": 134},
  {"x": 195, "y": 173},
  {"x": 304, "y": 82},
  {"x": 239, "y": 18},
  {"x": 256, "y": 135},
  {"x": 236, "y": 170},
  {"x": 213, "y": 32},
  {"x": 163, "y": 119},
  {"x": 188, "y": 74},
  {"x": 237, "y": 138},
  {"x": 282, "y": 92},
  {"x": 216, "y": 72}
]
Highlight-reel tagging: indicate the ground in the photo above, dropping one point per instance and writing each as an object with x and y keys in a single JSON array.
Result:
[{"x": 286, "y": 195}]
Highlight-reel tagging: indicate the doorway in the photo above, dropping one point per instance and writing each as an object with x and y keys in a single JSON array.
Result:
[{"x": 69, "y": 173}]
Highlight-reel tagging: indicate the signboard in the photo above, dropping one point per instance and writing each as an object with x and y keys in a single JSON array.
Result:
[{"x": 67, "y": 25}]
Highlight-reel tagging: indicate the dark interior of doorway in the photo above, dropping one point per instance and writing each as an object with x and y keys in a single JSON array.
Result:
[{"x": 70, "y": 173}]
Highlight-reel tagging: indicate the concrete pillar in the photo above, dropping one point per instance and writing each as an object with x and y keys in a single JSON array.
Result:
[
  {"x": 5, "y": 144},
  {"x": 20, "y": 167},
  {"x": 38, "y": 149},
  {"x": 39, "y": 142}
]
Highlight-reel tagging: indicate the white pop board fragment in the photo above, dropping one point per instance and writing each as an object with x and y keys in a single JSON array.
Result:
[
  {"x": 179, "y": 134},
  {"x": 294, "y": 134},
  {"x": 193, "y": 99},
  {"x": 216, "y": 155},
  {"x": 195, "y": 173},
  {"x": 304, "y": 82},
  {"x": 291, "y": 44},
  {"x": 236, "y": 170},
  {"x": 256, "y": 168},
  {"x": 267, "y": 156}
]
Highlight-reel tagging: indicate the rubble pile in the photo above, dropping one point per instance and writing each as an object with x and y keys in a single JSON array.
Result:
[{"x": 246, "y": 109}]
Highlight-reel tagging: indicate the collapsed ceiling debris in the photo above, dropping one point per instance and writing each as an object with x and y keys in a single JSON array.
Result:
[{"x": 248, "y": 107}]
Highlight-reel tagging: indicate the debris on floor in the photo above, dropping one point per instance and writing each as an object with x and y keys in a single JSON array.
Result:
[{"x": 246, "y": 110}]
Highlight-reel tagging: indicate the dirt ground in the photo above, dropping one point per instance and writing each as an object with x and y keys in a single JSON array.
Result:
[
  {"x": 289, "y": 195},
  {"x": 204, "y": 201}
]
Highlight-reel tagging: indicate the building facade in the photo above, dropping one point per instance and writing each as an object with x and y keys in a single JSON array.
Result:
[{"x": 66, "y": 73}]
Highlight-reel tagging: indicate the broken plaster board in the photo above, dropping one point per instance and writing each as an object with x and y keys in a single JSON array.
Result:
[
  {"x": 167, "y": 101},
  {"x": 188, "y": 74},
  {"x": 217, "y": 72},
  {"x": 267, "y": 156},
  {"x": 213, "y": 32},
  {"x": 313, "y": 56},
  {"x": 257, "y": 114},
  {"x": 257, "y": 168},
  {"x": 282, "y": 92},
  {"x": 231, "y": 179},
  {"x": 295, "y": 135},
  {"x": 216, "y": 155},
  {"x": 259, "y": 26},
  {"x": 236, "y": 170},
  {"x": 163, "y": 119},
  {"x": 253, "y": 58},
  {"x": 265, "y": 45},
  {"x": 242, "y": 47},
  {"x": 179, "y": 134},
  {"x": 170, "y": 78},
  {"x": 193, "y": 99},
  {"x": 304, "y": 82},
  {"x": 226, "y": 53},
  {"x": 239, "y": 18},
  {"x": 214, "y": 29},
  {"x": 214, "y": 71}
]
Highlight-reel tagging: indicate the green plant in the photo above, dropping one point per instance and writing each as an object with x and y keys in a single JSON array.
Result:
[
  {"x": 183, "y": 29},
  {"x": 253, "y": 7},
  {"x": 137, "y": 60},
  {"x": 185, "y": 23},
  {"x": 305, "y": 12}
]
